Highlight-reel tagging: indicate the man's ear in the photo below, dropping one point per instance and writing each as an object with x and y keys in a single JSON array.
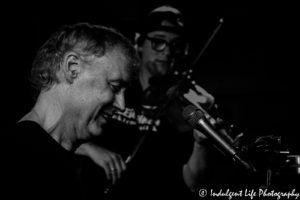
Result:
[
  {"x": 138, "y": 42},
  {"x": 72, "y": 66}
]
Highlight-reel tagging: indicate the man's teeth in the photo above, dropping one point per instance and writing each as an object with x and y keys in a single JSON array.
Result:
[{"x": 106, "y": 116}]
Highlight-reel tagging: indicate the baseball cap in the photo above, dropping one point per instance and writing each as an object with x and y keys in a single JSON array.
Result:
[{"x": 164, "y": 18}]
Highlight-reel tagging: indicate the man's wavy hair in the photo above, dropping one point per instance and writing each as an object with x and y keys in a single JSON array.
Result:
[{"x": 84, "y": 38}]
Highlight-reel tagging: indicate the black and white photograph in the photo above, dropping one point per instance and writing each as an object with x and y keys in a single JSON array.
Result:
[{"x": 148, "y": 100}]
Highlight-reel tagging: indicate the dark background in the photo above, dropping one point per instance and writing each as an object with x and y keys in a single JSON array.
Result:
[{"x": 245, "y": 66}]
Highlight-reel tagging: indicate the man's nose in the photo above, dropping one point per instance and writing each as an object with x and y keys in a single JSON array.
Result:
[
  {"x": 119, "y": 102},
  {"x": 167, "y": 51}
]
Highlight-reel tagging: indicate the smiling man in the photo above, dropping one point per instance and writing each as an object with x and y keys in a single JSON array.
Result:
[
  {"x": 81, "y": 74},
  {"x": 149, "y": 138}
]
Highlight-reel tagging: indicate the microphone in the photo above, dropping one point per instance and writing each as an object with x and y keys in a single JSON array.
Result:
[{"x": 197, "y": 120}]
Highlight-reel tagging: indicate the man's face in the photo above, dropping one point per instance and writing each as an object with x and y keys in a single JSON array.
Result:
[
  {"x": 98, "y": 92},
  {"x": 157, "y": 60}
]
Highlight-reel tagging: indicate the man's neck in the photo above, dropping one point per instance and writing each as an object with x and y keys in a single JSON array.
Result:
[{"x": 48, "y": 113}]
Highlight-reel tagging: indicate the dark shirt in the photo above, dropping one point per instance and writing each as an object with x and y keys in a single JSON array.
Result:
[{"x": 35, "y": 166}]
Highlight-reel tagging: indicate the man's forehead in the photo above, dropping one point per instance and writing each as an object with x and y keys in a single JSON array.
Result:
[
  {"x": 166, "y": 23},
  {"x": 164, "y": 34},
  {"x": 117, "y": 65}
]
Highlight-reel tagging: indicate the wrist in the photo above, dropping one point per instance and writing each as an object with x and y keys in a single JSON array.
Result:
[{"x": 85, "y": 148}]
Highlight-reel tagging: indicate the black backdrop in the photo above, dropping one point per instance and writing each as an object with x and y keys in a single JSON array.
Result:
[{"x": 242, "y": 67}]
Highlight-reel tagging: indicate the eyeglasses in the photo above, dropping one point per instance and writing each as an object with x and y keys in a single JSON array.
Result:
[{"x": 160, "y": 45}]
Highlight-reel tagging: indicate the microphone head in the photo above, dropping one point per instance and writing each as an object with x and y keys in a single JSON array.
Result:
[{"x": 192, "y": 114}]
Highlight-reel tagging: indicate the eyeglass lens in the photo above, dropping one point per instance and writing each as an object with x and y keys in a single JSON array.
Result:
[{"x": 160, "y": 45}]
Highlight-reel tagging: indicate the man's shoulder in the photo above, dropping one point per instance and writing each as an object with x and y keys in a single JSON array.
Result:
[
  {"x": 22, "y": 131},
  {"x": 23, "y": 125},
  {"x": 28, "y": 137}
]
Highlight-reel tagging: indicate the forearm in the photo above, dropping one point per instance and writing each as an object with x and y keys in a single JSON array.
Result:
[{"x": 84, "y": 149}]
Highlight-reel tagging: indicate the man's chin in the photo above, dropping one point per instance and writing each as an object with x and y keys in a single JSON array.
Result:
[
  {"x": 158, "y": 80},
  {"x": 162, "y": 70},
  {"x": 95, "y": 130}
]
